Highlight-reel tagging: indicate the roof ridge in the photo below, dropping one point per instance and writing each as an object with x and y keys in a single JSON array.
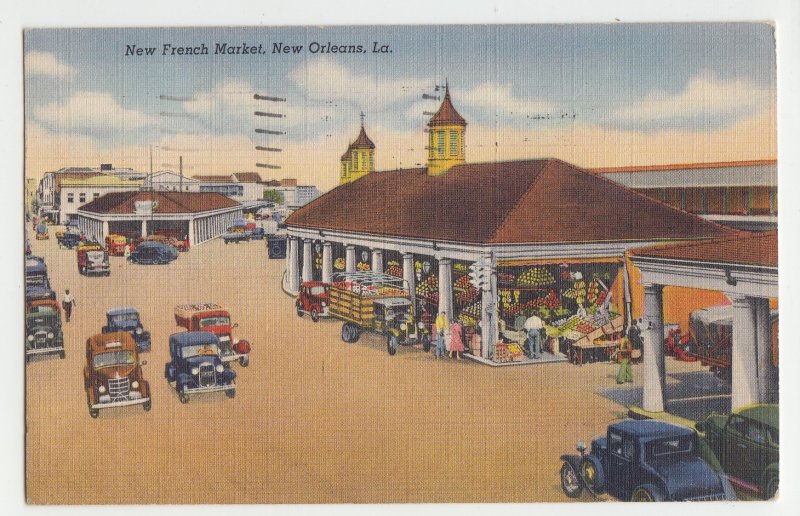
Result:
[
  {"x": 705, "y": 241},
  {"x": 508, "y": 213}
]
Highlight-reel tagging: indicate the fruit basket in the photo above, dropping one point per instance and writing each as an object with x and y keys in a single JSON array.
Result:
[{"x": 535, "y": 277}]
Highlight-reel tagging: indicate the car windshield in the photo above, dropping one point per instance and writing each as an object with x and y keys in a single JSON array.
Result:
[
  {"x": 113, "y": 358},
  {"x": 123, "y": 318},
  {"x": 214, "y": 321},
  {"x": 199, "y": 350},
  {"x": 317, "y": 291},
  {"x": 95, "y": 257},
  {"x": 36, "y": 281},
  {"x": 673, "y": 448}
]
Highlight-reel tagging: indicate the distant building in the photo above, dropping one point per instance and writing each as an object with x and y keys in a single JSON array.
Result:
[
  {"x": 169, "y": 181},
  {"x": 75, "y": 192},
  {"x": 30, "y": 193},
  {"x": 740, "y": 194},
  {"x": 221, "y": 184},
  {"x": 294, "y": 195}
]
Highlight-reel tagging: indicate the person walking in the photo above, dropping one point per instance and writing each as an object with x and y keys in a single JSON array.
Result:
[
  {"x": 127, "y": 251},
  {"x": 456, "y": 339},
  {"x": 442, "y": 325},
  {"x": 534, "y": 327},
  {"x": 623, "y": 354},
  {"x": 67, "y": 304}
]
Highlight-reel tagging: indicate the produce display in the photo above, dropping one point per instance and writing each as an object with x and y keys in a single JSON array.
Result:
[
  {"x": 362, "y": 266},
  {"x": 467, "y": 320},
  {"x": 535, "y": 277},
  {"x": 394, "y": 270},
  {"x": 339, "y": 264},
  {"x": 464, "y": 292},
  {"x": 429, "y": 288},
  {"x": 473, "y": 310}
]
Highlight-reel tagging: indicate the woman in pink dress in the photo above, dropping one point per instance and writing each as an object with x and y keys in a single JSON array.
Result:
[{"x": 456, "y": 339}]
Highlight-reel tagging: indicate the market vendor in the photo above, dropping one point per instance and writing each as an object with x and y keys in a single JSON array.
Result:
[
  {"x": 580, "y": 292},
  {"x": 534, "y": 327}
]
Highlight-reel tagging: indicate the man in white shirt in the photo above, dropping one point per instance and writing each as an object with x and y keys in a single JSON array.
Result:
[
  {"x": 67, "y": 303},
  {"x": 534, "y": 327}
]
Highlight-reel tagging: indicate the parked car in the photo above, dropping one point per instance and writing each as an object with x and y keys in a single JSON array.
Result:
[
  {"x": 195, "y": 365},
  {"x": 235, "y": 236},
  {"x": 127, "y": 319},
  {"x": 43, "y": 331},
  {"x": 313, "y": 300},
  {"x": 150, "y": 252},
  {"x": 214, "y": 318},
  {"x": 746, "y": 445},
  {"x": 644, "y": 461},
  {"x": 41, "y": 232},
  {"x": 93, "y": 260},
  {"x": 69, "y": 240},
  {"x": 113, "y": 374},
  {"x": 37, "y": 283},
  {"x": 257, "y": 234}
]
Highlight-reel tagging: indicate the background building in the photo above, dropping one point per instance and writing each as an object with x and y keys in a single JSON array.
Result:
[
  {"x": 75, "y": 192},
  {"x": 169, "y": 181}
]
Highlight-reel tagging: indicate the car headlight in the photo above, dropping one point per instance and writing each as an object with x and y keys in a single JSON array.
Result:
[
  {"x": 324, "y": 303},
  {"x": 30, "y": 338},
  {"x": 220, "y": 368},
  {"x": 420, "y": 325},
  {"x": 135, "y": 385},
  {"x": 139, "y": 330},
  {"x": 403, "y": 326},
  {"x": 101, "y": 389},
  {"x": 50, "y": 335},
  {"x": 195, "y": 370},
  {"x": 224, "y": 338}
]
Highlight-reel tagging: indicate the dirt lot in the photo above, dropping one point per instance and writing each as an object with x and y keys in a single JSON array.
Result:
[{"x": 314, "y": 419}]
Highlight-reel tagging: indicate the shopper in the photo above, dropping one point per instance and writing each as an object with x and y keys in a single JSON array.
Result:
[
  {"x": 127, "y": 251},
  {"x": 68, "y": 303},
  {"x": 456, "y": 339},
  {"x": 635, "y": 334},
  {"x": 623, "y": 354},
  {"x": 442, "y": 325},
  {"x": 534, "y": 327}
]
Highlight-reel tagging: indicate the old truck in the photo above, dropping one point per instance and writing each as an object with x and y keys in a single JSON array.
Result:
[
  {"x": 93, "y": 260},
  {"x": 37, "y": 283},
  {"x": 195, "y": 365},
  {"x": 127, "y": 319},
  {"x": 380, "y": 303},
  {"x": 116, "y": 244},
  {"x": 213, "y": 318},
  {"x": 43, "y": 331},
  {"x": 313, "y": 300},
  {"x": 113, "y": 374}
]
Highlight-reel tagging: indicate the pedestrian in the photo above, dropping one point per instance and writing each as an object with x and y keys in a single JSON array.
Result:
[
  {"x": 127, "y": 251},
  {"x": 623, "y": 354},
  {"x": 534, "y": 327},
  {"x": 67, "y": 304},
  {"x": 456, "y": 339},
  {"x": 442, "y": 325},
  {"x": 635, "y": 334}
]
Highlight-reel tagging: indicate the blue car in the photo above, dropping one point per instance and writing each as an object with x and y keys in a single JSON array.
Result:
[
  {"x": 195, "y": 365},
  {"x": 127, "y": 319},
  {"x": 69, "y": 240},
  {"x": 257, "y": 234},
  {"x": 37, "y": 284},
  {"x": 151, "y": 252},
  {"x": 644, "y": 461}
]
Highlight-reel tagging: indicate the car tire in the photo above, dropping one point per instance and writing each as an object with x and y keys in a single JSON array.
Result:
[
  {"x": 183, "y": 395},
  {"x": 772, "y": 487},
  {"x": 570, "y": 481},
  {"x": 230, "y": 393},
  {"x": 591, "y": 472},
  {"x": 244, "y": 361},
  {"x": 314, "y": 315},
  {"x": 299, "y": 311},
  {"x": 392, "y": 343},
  {"x": 147, "y": 405},
  {"x": 62, "y": 354},
  {"x": 647, "y": 493},
  {"x": 94, "y": 413},
  {"x": 347, "y": 333}
]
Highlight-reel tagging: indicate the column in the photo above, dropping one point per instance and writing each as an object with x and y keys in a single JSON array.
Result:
[
  {"x": 144, "y": 227},
  {"x": 767, "y": 379},
  {"x": 446, "y": 287},
  {"x": 744, "y": 359},
  {"x": 308, "y": 260},
  {"x": 653, "y": 354},
  {"x": 350, "y": 259},
  {"x": 377, "y": 260},
  {"x": 293, "y": 270},
  {"x": 327, "y": 262},
  {"x": 190, "y": 233},
  {"x": 408, "y": 271},
  {"x": 105, "y": 231},
  {"x": 488, "y": 311}
]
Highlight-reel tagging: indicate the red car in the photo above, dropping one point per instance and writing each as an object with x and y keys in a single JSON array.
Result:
[{"x": 313, "y": 300}]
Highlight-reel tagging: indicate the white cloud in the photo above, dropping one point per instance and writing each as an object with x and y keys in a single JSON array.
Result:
[
  {"x": 90, "y": 111},
  {"x": 45, "y": 63},
  {"x": 499, "y": 98},
  {"x": 704, "y": 97}
]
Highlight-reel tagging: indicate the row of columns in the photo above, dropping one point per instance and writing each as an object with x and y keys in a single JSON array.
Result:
[{"x": 754, "y": 380}]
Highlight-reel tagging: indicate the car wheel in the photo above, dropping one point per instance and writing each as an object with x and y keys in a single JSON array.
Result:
[
  {"x": 184, "y": 396},
  {"x": 347, "y": 333},
  {"x": 299, "y": 311},
  {"x": 591, "y": 472},
  {"x": 426, "y": 343},
  {"x": 244, "y": 361},
  {"x": 647, "y": 493},
  {"x": 392, "y": 343},
  {"x": 147, "y": 405},
  {"x": 772, "y": 488},
  {"x": 230, "y": 393},
  {"x": 570, "y": 482},
  {"x": 62, "y": 354},
  {"x": 94, "y": 413},
  {"x": 314, "y": 315}
]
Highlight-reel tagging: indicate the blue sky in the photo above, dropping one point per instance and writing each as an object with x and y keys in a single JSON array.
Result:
[{"x": 521, "y": 80}]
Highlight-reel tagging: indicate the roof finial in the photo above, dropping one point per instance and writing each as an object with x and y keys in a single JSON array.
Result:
[
  {"x": 446, "y": 88},
  {"x": 362, "y": 119}
]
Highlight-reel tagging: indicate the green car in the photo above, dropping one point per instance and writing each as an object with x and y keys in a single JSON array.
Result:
[{"x": 746, "y": 445}]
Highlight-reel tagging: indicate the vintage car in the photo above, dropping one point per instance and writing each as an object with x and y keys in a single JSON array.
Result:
[
  {"x": 182, "y": 245},
  {"x": 257, "y": 234},
  {"x": 69, "y": 240},
  {"x": 217, "y": 320},
  {"x": 644, "y": 461},
  {"x": 745, "y": 443},
  {"x": 113, "y": 374},
  {"x": 37, "y": 284},
  {"x": 195, "y": 365},
  {"x": 43, "y": 331},
  {"x": 150, "y": 252},
  {"x": 116, "y": 244},
  {"x": 93, "y": 260},
  {"x": 313, "y": 300},
  {"x": 41, "y": 232},
  {"x": 127, "y": 319},
  {"x": 235, "y": 236}
]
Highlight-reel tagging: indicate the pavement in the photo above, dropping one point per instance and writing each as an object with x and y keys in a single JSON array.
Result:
[{"x": 314, "y": 420}]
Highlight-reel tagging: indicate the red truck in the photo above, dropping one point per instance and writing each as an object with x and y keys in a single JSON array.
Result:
[
  {"x": 313, "y": 300},
  {"x": 213, "y": 318},
  {"x": 93, "y": 260}
]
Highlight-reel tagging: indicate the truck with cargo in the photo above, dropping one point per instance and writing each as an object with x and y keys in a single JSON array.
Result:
[
  {"x": 213, "y": 318},
  {"x": 93, "y": 260}
]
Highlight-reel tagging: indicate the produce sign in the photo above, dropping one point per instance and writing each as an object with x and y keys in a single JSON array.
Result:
[{"x": 535, "y": 277}]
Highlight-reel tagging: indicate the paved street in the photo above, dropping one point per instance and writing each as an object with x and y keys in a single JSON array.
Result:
[{"x": 314, "y": 419}]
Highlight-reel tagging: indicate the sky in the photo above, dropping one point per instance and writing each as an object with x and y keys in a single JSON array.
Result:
[{"x": 594, "y": 95}]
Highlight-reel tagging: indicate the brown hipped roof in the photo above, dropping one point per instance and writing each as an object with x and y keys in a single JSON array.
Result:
[
  {"x": 447, "y": 114},
  {"x": 248, "y": 177},
  {"x": 214, "y": 179},
  {"x": 759, "y": 249},
  {"x": 168, "y": 202},
  {"x": 532, "y": 201},
  {"x": 363, "y": 141}
]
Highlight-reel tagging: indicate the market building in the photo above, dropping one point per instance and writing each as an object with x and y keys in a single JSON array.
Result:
[
  {"x": 742, "y": 267},
  {"x": 198, "y": 216},
  {"x": 554, "y": 238}
]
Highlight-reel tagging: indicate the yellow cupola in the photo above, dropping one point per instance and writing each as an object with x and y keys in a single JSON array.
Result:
[
  {"x": 445, "y": 137},
  {"x": 358, "y": 160}
]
